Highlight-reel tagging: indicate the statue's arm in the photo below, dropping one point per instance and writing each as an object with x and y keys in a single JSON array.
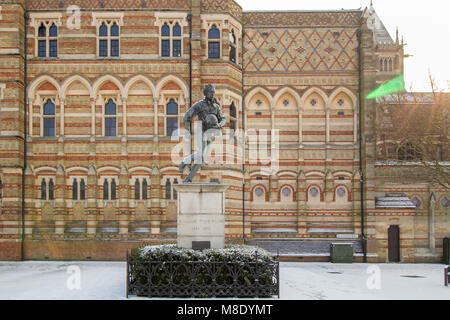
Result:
[{"x": 221, "y": 118}]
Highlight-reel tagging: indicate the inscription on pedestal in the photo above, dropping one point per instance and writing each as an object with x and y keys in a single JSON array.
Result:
[{"x": 201, "y": 215}]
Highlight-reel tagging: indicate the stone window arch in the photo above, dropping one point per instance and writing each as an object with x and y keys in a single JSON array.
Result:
[{"x": 47, "y": 189}]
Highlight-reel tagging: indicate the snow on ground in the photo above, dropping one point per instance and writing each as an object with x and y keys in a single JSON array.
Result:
[{"x": 299, "y": 281}]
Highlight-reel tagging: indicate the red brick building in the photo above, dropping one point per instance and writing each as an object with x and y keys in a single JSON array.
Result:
[{"x": 91, "y": 92}]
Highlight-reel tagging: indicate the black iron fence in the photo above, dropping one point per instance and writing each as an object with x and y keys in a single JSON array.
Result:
[{"x": 203, "y": 279}]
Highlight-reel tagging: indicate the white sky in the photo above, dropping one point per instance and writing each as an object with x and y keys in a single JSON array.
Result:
[{"x": 425, "y": 26}]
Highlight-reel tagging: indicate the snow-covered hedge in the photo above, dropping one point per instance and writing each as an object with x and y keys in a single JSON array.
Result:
[{"x": 233, "y": 265}]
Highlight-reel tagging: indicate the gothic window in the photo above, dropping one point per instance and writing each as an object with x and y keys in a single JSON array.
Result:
[
  {"x": 175, "y": 194},
  {"x": 137, "y": 190},
  {"x": 109, "y": 39},
  {"x": 381, "y": 65},
  {"x": 75, "y": 190},
  {"x": 390, "y": 64},
  {"x": 233, "y": 44},
  {"x": 51, "y": 190},
  {"x": 214, "y": 42},
  {"x": 43, "y": 190},
  {"x": 105, "y": 190},
  {"x": 49, "y": 119},
  {"x": 144, "y": 190},
  {"x": 171, "y": 117},
  {"x": 78, "y": 190},
  {"x": 82, "y": 190},
  {"x": 113, "y": 190},
  {"x": 233, "y": 117},
  {"x": 110, "y": 119},
  {"x": 47, "y": 39},
  {"x": 168, "y": 189},
  {"x": 171, "y": 39}
]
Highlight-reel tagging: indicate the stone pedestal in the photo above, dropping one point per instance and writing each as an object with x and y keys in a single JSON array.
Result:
[{"x": 201, "y": 215}]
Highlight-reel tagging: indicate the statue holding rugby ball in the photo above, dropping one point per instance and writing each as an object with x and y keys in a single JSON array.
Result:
[{"x": 212, "y": 120}]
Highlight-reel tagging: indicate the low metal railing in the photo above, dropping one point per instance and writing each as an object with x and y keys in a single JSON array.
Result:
[{"x": 203, "y": 279}]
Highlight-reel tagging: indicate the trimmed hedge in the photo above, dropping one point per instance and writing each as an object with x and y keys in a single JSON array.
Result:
[{"x": 239, "y": 266}]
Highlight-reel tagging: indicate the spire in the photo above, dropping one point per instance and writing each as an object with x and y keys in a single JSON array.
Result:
[{"x": 396, "y": 36}]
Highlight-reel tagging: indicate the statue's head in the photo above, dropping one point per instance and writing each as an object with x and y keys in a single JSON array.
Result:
[{"x": 209, "y": 91}]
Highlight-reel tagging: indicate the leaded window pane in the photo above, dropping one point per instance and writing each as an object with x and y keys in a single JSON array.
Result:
[
  {"x": 165, "y": 30},
  {"x": 113, "y": 190},
  {"x": 176, "y": 30},
  {"x": 42, "y": 48},
  {"x": 171, "y": 126},
  {"x": 49, "y": 127},
  {"x": 82, "y": 190},
  {"x": 114, "y": 30},
  {"x": 103, "y": 31},
  {"x": 53, "y": 48},
  {"x": 177, "y": 48},
  {"x": 42, "y": 31},
  {"x": 114, "y": 48},
  {"x": 144, "y": 190},
  {"x": 165, "y": 48},
  {"x": 103, "y": 52},
  {"x": 53, "y": 31},
  {"x": 105, "y": 190},
  {"x": 75, "y": 190},
  {"x": 172, "y": 108},
  {"x": 110, "y": 127},
  {"x": 51, "y": 190},
  {"x": 137, "y": 190},
  {"x": 213, "y": 50},
  {"x": 49, "y": 108},
  {"x": 43, "y": 190},
  {"x": 214, "y": 33}
]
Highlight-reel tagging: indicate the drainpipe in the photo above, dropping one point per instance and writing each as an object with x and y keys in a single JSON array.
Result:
[
  {"x": 243, "y": 138},
  {"x": 360, "y": 98},
  {"x": 25, "y": 133},
  {"x": 189, "y": 17}
]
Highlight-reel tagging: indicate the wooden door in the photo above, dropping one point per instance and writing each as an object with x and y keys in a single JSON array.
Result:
[{"x": 394, "y": 243}]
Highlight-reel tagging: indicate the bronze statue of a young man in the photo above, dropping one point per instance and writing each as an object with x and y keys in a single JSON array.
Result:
[{"x": 212, "y": 119}]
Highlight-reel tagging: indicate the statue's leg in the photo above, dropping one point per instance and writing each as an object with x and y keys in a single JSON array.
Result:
[
  {"x": 193, "y": 172},
  {"x": 204, "y": 153}
]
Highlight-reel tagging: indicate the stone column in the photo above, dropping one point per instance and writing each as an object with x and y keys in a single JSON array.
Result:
[
  {"x": 60, "y": 191},
  {"x": 124, "y": 187},
  {"x": 92, "y": 116},
  {"x": 61, "y": 113},
  {"x": 155, "y": 198},
  {"x": 301, "y": 203},
  {"x": 329, "y": 187},
  {"x": 432, "y": 237},
  {"x": 124, "y": 105},
  {"x": 91, "y": 196}
]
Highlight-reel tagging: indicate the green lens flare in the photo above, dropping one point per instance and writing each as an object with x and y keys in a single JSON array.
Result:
[{"x": 393, "y": 86}]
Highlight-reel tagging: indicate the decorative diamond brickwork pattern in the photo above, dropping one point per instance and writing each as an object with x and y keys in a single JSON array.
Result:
[
  {"x": 331, "y": 18},
  {"x": 301, "y": 50},
  {"x": 108, "y": 4}
]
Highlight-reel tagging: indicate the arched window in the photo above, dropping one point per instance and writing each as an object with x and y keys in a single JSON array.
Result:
[
  {"x": 75, "y": 190},
  {"x": 105, "y": 190},
  {"x": 82, "y": 190},
  {"x": 51, "y": 190},
  {"x": 47, "y": 37},
  {"x": 168, "y": 189},
  {"x": 385, "y": 65},
  {"x": 171, "y": 117},
  {"x": 113, "y": 190},
  {"x": 108, "y": 39},
  {"x": 165, "y": 40},
  {"x": 233, "y": 43},
  {"x": 49, "y": 119},
  {"x": 175, "y": 193},
  {"x": 43, "y": 190},
  {"x": 144, "y": 190},
  {"x": 176, "y": 40},
  {"x": 137, "y": 190},
  {"x": 390, "y": 64},
  {"x": 233, "y": 117},
  {"x": 110, "y": 119},
  {"x": 381, "y": 64},
  {"x": 214, "y": 42}
]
